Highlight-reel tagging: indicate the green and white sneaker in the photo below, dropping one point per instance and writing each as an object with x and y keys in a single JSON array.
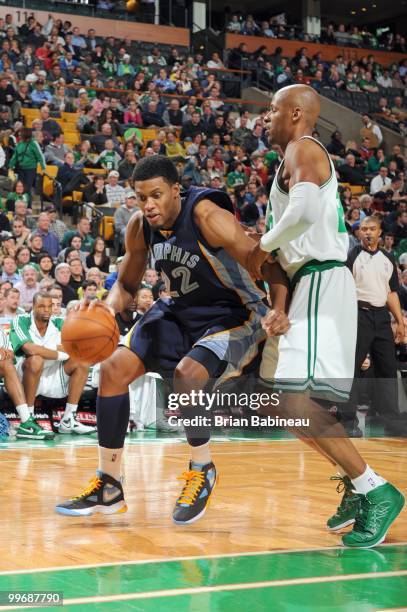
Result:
[
  {"x": 31, "y": 430},
  {"x": 378, "y": 510},
  {"x": 348, "y": 509}
]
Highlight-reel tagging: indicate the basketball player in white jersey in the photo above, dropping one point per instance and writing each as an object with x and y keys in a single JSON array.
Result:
[{"x": 306, "y": 234}]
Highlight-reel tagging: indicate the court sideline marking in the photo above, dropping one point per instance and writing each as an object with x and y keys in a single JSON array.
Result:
[
  {"x": 58, "y": 568},
  {"x": 222, "y": 588}
]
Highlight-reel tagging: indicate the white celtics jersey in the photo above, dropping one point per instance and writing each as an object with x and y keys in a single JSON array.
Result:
[{"x": 325, "y": 240}]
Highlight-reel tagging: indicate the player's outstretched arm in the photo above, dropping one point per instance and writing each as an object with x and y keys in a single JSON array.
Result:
[
  {"x": 132, "y": 267},
  {"x": 307, "y": 167}
]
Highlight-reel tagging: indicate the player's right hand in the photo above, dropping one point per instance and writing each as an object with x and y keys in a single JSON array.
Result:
[
  {"x": 91, "y": 304},
  {"x": 6, "y": 354}
]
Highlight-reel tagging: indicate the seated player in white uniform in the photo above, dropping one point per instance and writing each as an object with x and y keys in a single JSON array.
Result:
[
  {"x": 42, "y": 365},
  {"x": 29, "y": 428}
]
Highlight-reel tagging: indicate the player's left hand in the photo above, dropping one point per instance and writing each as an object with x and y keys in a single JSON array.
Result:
[
  {"x": 276, "y": 323},
  {"x": 256, "y": 258},
  {"x": 399, "y": 333}
]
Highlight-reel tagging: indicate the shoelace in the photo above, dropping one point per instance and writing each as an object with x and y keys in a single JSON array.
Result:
[
  {"x": 94, "y": 485},
  {"x": 341, "y": 486},
  {"x": 347, "y": 498},
  {"x": 194, "y": 481},
  {"x": 370, "y": 516}
]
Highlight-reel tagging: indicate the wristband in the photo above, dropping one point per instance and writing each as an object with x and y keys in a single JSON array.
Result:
[{"x": 62, "y": 356}]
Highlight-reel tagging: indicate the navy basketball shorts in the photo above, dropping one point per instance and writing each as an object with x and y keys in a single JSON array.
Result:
[{"x": 225, "y": 344}]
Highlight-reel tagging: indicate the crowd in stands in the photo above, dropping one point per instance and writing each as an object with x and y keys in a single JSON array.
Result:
[
  {"x": 377, "y": 88},
  {"x": 49, "y": 70},
  {"x": 332, "y": 34}
]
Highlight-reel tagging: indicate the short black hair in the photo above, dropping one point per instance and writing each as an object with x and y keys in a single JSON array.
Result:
[
  {"x": 41, "y": 294},
  {"x": 156, "y": 166},
  {"x": 89, "y": 283}
]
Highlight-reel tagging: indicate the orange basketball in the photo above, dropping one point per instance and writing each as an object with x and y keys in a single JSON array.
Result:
[{"x": 90, "y": 336}]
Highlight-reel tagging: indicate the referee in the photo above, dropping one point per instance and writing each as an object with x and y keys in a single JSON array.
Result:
[{"x": 376, "y": 278}]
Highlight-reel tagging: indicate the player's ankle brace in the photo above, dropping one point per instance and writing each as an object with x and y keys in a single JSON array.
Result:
[{"x": 112, "y": 414}]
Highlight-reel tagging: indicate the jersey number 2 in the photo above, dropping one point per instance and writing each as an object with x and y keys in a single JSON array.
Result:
[{"x": 186, "y": 285}]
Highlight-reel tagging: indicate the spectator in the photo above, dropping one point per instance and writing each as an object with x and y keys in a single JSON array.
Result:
[
  {"x": 23, "y": 256},
  {"x": 83, "y": 230},
  {"x": 375, "y": 162},
  {"x": 127, "y": 165},
  {"x": 18, "y": 193},
  {"x": 69, "y": 176},
  {"x": 27, "y": 155},
  {"x": 336, "y": 148},
  {"x": 20, "y": 233},
  {"x": 72, "y": 251},
  {"x": 151, "y": 117},
  {"x": 62, "y": 277},
  {"x": 56, "y": 151},
  {"x": 173, "y": 116},
  {"x": 4, "y": 222},
  {"x": 40, "y": 95},
  {"x": 349, "y": 172},
  {"x": 89, "y": 288},
  {"x": 50, "y": 241},
  {"x": 12, "y": 306},
  {"x": 191, "y": 128},
  {"x": 56, "y": 226},
  {"x": 115, "y": 193},
  {"x": 123, "y": 214},
  {"x": 77, "y": 274},
  {"x": 46, "y": 266},
  {"x": 50, "y": 127},
  {"x": 36, "y": 246},
  {"x": 28, "y": 286},
  {"x": 381, "y": 182},
  {"x": 98, "y": 258},
  {"x": 95, "y": 193},
  {"x": 10, "y": 270},
  {"x": 109, "y": 159},
  {"x": 372, "y": 131},
  {"x": 96, "y": 276},
  {"x": 399, "y": 229}
]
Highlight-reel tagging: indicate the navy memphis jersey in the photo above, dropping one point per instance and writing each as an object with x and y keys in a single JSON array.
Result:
[{"x": 204, "y": 283}]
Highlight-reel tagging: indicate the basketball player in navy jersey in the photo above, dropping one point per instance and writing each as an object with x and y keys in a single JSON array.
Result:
[{"x": 210, "y": 328}]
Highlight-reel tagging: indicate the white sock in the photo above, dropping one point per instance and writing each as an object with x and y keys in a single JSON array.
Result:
[
  {"x": 69, "y": 410},
  {"x": 23, "y": 412},
  {"x": 367, "y": 481},
  {"x": 110, "y": 461},
  {"x": 201, "y": 454},
  {"x": 31, "y": 410}
]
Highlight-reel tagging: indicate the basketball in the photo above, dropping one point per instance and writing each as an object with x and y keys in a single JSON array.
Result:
[
  {"x": 90, "y": 336},
  {"x": 132, "y": 5}
]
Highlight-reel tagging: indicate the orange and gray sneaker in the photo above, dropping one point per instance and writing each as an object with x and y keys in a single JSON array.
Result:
[
  {"x": 200, "y": 480},
  {"x": 104, "y": 495}
]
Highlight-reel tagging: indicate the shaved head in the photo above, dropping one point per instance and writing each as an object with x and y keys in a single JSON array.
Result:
[
  {"x": 302, "y": 97},
  {"x": 293, "y": 113}
]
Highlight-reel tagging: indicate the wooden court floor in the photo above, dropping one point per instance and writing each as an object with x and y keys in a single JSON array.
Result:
[{"x": 262, "y": 544}]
